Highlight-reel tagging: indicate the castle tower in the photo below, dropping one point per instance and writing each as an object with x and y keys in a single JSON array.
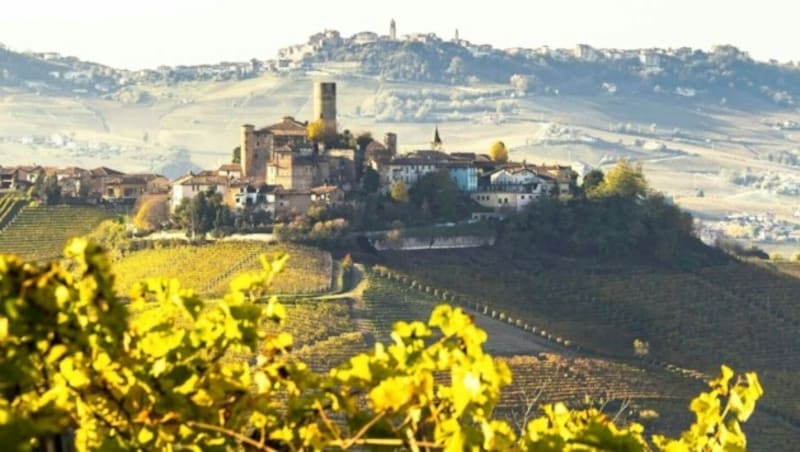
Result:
[
  {"x": 393, "y": 30},
  {"x": 247, "y": 149},
  {"x": 390, "y": 141},
  {"x": 325, "y": 105},
  {"x": 436, "y": 144}
]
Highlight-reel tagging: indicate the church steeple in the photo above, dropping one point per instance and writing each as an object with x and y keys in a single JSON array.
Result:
[{"x": 436, "y": 144}]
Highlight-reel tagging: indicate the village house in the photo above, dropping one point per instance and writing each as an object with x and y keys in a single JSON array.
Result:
[
  {"x": 98, "y": 178},
  {"x": 407, "y": 170},
  {"x": 249, "y": 196},
  {"x": 328, "y": 195},
  {"x": 230, "y": 170},
  {"x": 465, "y": 175},
  {"x": 129, "y": 187},
  {"x": 19, "y": 177},
  {"x": 8, "y": 178},
  {"x": 190, "y": 185},
  {"x": 27, "y": 175},
  {"x": 510, "y": 197}
]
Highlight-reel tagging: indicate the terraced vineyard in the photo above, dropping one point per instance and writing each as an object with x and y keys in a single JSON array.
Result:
[
  {"x": 208, "y": 269},
  {"x": 387, "y": 302},
  {"x": 11, "y": 204},
  {"x": 39, "y": 233},
  {"x": 329, "y": 353},
  {"x": 312, "y": 321},
  {"x": 740, "y": 314},
  {"x": 578, "y": 381}
]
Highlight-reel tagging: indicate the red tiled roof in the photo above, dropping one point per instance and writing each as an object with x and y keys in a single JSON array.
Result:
[
  {"x": 324, "y": 189},
  {"x": 105, "y": 171},
  {"x": 289, "y": 126},
  {"x": 203, "y": 180},
  {"x": 127, "y": 180}
]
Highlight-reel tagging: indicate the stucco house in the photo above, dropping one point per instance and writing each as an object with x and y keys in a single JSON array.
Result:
[{"x": 190, "y": 185}]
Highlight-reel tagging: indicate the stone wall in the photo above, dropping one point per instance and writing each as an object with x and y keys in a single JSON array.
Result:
[{"x": 415, "y": 243}]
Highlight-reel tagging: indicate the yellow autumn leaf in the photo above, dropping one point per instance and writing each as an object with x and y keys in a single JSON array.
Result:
[
  {"x": 202, "y": 398},
  {"x": 144, "y": 436},
  {"x": 391, "y": 394}
]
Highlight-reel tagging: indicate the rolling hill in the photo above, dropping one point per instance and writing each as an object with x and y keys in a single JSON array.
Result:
[{"x": 716, "y": 130}]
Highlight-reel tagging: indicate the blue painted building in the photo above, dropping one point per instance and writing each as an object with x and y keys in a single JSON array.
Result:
[{"x": 465, "y": 176}]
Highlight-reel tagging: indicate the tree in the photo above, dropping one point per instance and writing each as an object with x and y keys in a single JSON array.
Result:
[
  {"x": 498, "y": 152},
  {"x": 237, "y": 155},
  {"x": 519, "y": 83},
  {"x": 113, "y": 237},
  {"x": 371, "y": 181},
  {"x": 437, "y": 195},
  {"x": 363, "y": 140},
  {"x": 624, "y": 180},
  {"x": 399, "y": 192},
  {"x": 592, "y": 180},
  {"x": 47, "y": 190},
  {"x": 316, "y": 130},
  {"x": 152, "y": 213},
  {"x": 172, "y": 376},
  {"x": 204, "y": 213}
]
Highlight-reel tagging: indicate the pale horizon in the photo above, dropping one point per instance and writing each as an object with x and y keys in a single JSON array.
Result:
[{"x": 150, "y": 33}]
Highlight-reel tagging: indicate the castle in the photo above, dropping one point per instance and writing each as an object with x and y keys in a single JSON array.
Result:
[{"x": 282, "y": 154}]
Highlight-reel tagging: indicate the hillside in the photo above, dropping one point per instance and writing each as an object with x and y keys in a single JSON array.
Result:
[
  {"x": 716, "y": 130},
  {"x": 329, "y": 330},
  {"x": 719, "y": 311},
  {"x": 724, "y": 71}
]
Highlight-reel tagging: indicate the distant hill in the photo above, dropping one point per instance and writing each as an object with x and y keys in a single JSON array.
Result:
[{"x": 720, "y": 75}]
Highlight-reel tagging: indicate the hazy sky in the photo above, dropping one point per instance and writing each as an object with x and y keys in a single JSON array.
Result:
[{"x": 147, "y": 33}]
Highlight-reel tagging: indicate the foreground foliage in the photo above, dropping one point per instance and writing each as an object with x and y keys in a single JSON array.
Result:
[{"x": 71, "y": 357}]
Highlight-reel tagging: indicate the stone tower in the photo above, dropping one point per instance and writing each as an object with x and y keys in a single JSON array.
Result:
[
  {"x": 253, "y": 151},
  {"x": 393, "y": 30},
  {"x": 390, "y": 141},
  {"x": 325, "y": 105},
  {"x": 246, "y": 147}
]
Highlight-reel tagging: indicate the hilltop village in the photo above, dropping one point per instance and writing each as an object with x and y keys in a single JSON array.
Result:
[{"x": 285, "y": 168}]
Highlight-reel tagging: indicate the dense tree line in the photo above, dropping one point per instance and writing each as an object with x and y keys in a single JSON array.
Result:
[{"x": 615, "y": 215}]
